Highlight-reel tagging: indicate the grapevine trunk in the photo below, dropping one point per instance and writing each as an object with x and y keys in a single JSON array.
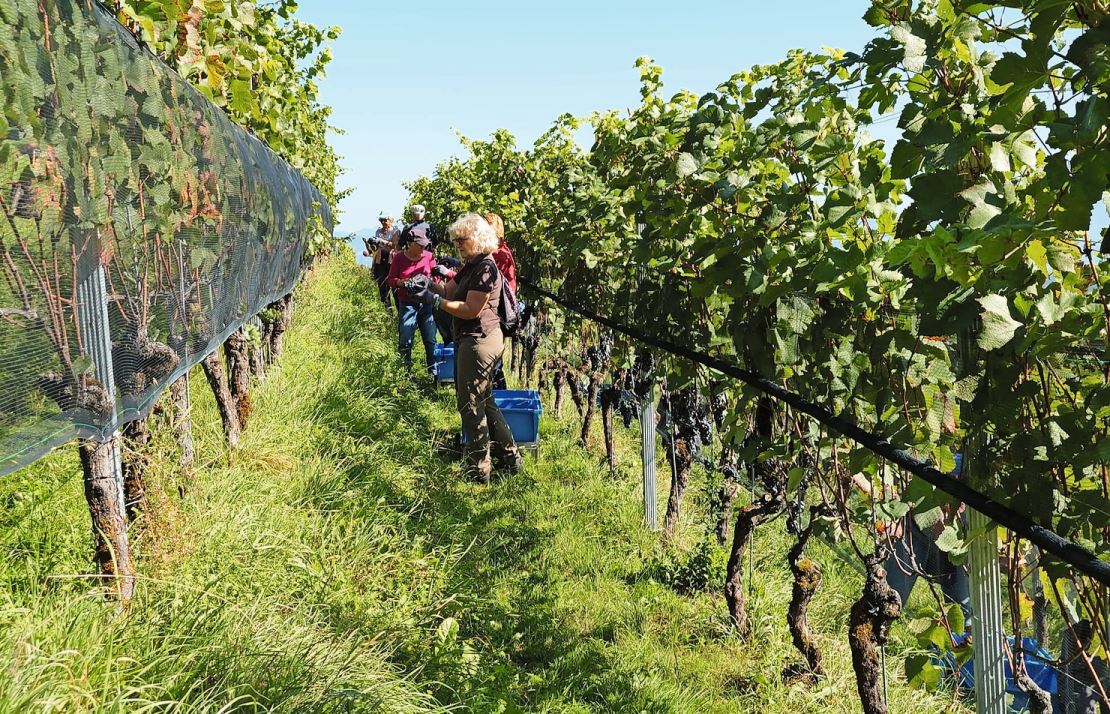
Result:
[
  {"x": 225, "y": 401},
  {"x": 680, "y": 479},
  {"x": 104, "y": 496},
  {"x": 747, "y": 519},
  {"x": 183, "y": 423},
  {"x": 133, "y": 462},
  {"x": 239, "y": 374},
  {"x": 868, "y": 629},
  {"x": 807, "y": 580}
]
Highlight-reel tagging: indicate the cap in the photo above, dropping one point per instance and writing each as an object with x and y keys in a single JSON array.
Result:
[
  {"x": 419, "y": 210},
  {"x": 418, "y": 233},
  {"x": 384, "y": 215}
]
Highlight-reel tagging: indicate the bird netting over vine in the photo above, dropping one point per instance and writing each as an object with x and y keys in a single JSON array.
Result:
[{"x": 128, "y": 199}]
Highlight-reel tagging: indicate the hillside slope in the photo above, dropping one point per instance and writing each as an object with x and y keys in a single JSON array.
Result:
[{"x": 336, "y": 563}]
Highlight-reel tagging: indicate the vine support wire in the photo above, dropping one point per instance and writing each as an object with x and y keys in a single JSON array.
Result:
[
  {"x": 1068, "y": 551},
  {"x": 647, "y": 455},
  {"x": 92, "y": 314}
]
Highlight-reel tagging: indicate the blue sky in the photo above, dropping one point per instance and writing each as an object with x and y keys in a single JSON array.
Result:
[{"x": 406, "y": 75}]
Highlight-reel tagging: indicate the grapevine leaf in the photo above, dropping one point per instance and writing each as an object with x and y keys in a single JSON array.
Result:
[
  {"x": 686, "y": 165},
  {"x": 998, "y": 326},
  {"x": 914, "y": 47}
]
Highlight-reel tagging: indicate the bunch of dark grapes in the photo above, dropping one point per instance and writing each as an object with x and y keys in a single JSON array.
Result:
[
  {"x": 718, "y": 404},
  {"x": 628, "y": 405},
  {"x": 416, "y": 283},
  {"x": 644, "y": 372},
  {"x": 690, "y": 415},
  {"x": 610, "y": 396},
  {"x": 599, "y": 354}
]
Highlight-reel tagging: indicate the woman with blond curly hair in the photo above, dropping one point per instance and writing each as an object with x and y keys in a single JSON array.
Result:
[{"x": 472, "y": 298}]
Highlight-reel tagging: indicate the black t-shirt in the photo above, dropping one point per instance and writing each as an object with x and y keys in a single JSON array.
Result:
[{"x": 480, "y": 275}]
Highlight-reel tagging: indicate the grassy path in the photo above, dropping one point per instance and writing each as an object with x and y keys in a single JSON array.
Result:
[{"x": 335, "y": 563}]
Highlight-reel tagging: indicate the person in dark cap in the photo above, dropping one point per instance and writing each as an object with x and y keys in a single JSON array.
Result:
[
  {"x": 419, "y": 225},
  {"x": 414, "y": 259}
]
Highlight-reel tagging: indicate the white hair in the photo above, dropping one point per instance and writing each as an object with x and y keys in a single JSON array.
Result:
[{"x": 472, "y": 227}]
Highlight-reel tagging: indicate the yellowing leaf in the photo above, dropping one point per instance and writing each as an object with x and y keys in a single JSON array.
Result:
[{"x": 1036, "y": 252}]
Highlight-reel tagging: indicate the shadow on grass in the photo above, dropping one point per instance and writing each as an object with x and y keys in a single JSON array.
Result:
[{"x": 498, "y": 590}]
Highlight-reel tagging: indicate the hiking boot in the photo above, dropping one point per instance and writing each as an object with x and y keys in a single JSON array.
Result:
[
  {"x": 510, "y": 463},
  {"x": 478, "y": 476}
]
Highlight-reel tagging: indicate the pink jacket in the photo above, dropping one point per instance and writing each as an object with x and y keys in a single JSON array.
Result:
[{"x": 401, "y": 268}]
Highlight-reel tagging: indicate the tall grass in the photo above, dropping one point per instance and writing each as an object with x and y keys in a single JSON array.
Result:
[{"x": 336, "y": 563}]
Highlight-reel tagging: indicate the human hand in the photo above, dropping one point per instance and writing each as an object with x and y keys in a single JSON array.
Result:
[{"x": 418, "y": 288}]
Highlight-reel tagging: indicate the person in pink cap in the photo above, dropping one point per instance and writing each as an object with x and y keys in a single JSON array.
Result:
[{"x": 414, "y": 259}]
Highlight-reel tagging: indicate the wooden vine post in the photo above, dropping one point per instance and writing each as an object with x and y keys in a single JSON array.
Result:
[
  {"x": 100, "y": 459},
  {"x": 984, "y": 571}
]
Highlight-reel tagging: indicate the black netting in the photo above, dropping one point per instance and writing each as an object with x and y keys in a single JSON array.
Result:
[{"x": 128, "y": 200}]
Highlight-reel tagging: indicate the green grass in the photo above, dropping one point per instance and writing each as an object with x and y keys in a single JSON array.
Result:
[{"x": 336, "y": 563}]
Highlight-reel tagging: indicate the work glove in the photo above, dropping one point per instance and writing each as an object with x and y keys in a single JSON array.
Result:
[
  {"x": 443, "y": 272},
  {"x": 418, "y": 289}
]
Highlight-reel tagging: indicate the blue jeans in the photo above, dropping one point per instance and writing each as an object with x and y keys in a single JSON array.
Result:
[
  {"x": 409, "y": 318},
  {"x": 917, "y": 551}
]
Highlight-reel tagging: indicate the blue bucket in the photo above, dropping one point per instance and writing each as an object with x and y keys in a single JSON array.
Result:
[
  {"x": 444, "y": 366},
  {"x": 521, "y": 409}
]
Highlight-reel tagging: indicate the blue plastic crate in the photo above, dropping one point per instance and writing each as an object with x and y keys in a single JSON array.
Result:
[
  {"x": 501, "y": 394},
  {"x": 1038, "y": 663},
  {"x": 444, "y": 368},
  {"x": 522, "y": 409}
]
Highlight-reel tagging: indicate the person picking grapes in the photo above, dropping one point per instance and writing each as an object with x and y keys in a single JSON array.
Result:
[
  {"x": 380, "y": 248},
  {"x": 472, "y": 298},
  {"x": 412, "y": 314}
]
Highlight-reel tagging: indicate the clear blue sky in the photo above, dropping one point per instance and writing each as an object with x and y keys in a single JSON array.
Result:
[{"x": 406, "y": 74}]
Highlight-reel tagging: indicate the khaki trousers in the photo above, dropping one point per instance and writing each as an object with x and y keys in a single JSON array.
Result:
[{"x": 482, "y": 422}]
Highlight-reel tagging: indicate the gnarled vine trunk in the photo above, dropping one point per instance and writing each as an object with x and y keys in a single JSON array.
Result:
[
  {"x": 518, "y": 359},
  {"x": 284, "y": 308},
  {"x": 868, "y": 628},
  {"x": 609, "y": 397},
  {"x": 726, "y": 495},
  {"x": 681, "y": 464},
  {"x": 183, "y": 423},
  {"x": 225, "y": 401},
  {"x": 112, "y": 552},
  {"x": 747, "y": 519},
  {"x": 133, "y": 462},
  {"x": 807, "y": 580},
  {"x": 531, "y": 347},
  {"x": 239, "y": 374},
  {"x": 591, "y": 406},
  {"x": 557, "y": 383},
  {"x": 258, "y": 362},
  {"x": 574, "y": 383}
]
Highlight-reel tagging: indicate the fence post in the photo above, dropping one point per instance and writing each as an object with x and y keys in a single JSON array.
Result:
[
  {"x": 647, "y": 454},
  {"x": 92, "y": 313},
  {"x": 984, "y": 571}
]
